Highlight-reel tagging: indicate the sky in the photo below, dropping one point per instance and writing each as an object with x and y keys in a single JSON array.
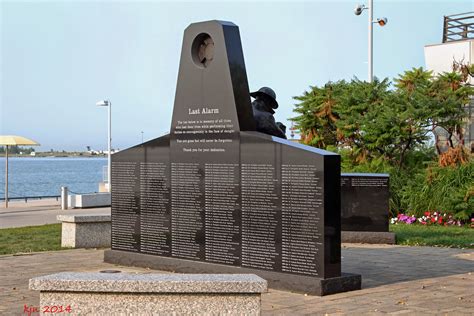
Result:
[{"x": 58, "y": 58}]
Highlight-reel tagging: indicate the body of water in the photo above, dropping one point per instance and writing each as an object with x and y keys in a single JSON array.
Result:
[{"x": 45, "y": 176}]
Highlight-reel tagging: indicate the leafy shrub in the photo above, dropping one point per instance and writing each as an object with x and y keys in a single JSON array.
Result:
[
  {"x": 442, "y": 189},
  {"x": 417, "y": 161},
  {"x": 386, "y": 128}
]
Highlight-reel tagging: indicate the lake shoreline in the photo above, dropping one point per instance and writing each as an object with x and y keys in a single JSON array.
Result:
[
  {"x": 44, "y": 176},
  {"x": 59, "y": 155}
]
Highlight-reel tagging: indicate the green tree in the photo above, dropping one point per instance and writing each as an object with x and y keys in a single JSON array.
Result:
[
  {"x": 372, "y": 121},
  {"x": 449, "y": 95},
  {"x": 358, "y": 108},
  {"x": 318, "y": 114},
  {"x": 385, "y": 127},
  {"x": 15, "y": 150}
]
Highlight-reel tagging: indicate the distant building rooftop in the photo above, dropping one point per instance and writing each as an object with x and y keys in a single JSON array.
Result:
[{"x": 458, "y": 27}]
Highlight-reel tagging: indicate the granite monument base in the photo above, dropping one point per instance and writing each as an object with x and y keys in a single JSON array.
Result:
[
  {"x": 368, "y": 237},
  {"x": 82, "y": 293},
  {"x": 276, "y": 280}
]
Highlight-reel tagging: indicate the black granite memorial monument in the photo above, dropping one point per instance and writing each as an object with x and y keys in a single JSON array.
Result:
[
  {"x": 365, "y": 208},
  {"x": 215, "y": 196}
]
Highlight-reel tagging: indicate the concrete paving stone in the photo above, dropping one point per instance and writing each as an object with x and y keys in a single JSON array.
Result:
[
  {"x": 271, "y": 306},
  {"x": 395, "y": 308},
  {"x": 462, "y": 310},
  {"x": 275, "y": 312},
  {"x": 349, "y": 301},
  {"x": 382, "y": 287},
  {"x": 403, "y": 312},
  {"x": 332, "y": 314},
  {"x": 288, "y": 302},
  {"x": 369, "y": 312},
  {"x": 306, "y": 310}
]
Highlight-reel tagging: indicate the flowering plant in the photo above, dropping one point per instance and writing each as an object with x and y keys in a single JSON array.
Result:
[
  {"x": 407, "y": 219},
  {"x": 429, "y": 218}
]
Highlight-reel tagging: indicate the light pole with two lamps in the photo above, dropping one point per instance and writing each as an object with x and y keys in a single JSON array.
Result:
[
  {"x": 108, "y": 104},
  {"x": 358, "y": 11}
]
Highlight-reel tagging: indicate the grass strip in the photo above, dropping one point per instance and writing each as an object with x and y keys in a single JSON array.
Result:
[
  {"x": 30, "y": 239},
  {"x": 435, "y": 236},
  {"x": 48, "y": 237}
]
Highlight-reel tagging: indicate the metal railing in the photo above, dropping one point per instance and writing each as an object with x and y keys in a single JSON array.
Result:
[
  {"x": 26, "y": 198},
  {"x": 458, "y": 27}
]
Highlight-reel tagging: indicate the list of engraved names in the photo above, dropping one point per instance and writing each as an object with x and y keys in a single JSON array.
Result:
[
  {"x": 126, "y": 207},
  {"x": 302, "y": 199}
]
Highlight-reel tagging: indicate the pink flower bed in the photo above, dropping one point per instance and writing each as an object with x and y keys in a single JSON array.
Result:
[{"x": 429, "y": 218}]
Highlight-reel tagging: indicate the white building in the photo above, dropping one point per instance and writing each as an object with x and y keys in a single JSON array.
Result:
[{"x": 457, "y": 45}]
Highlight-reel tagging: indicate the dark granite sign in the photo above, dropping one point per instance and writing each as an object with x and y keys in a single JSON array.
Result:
[
  {"x": 216, "y": 191},
  {"x": 364, "y": 202}
]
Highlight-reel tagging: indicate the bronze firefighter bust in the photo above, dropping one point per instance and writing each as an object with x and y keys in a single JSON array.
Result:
[{"x": 263, "y": 109}]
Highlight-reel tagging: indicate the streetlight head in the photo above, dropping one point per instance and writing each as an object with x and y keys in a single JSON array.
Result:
[
  {"x": 382, "y": 22},
  {"x": 358, "y": 9},
  {"x": 103, "y": 103}
]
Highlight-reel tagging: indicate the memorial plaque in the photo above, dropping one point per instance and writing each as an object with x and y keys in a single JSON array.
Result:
[
  {"x": 365, "y": 202},
  {"x": 141, "y": 210},
  {"x": 215, "y": 191}
]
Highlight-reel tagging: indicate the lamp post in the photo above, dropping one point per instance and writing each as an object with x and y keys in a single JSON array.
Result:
[
  {"x": 382, "y": 22},
  {"x": 6, "y": 176},
  {"x": 108, "y": 104}
]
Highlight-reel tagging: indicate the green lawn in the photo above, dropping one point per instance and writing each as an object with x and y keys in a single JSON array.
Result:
[
  {"x": 48, "y": 237},
  {"x": 30, "y": 239},
  {"x": 438, "y": 236}
]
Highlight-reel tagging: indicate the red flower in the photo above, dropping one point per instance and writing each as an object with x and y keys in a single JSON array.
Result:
[
  {"x": 433, "y": 220},
  {"x": 423, "y": 223},
  {"x": 427, "y": 213},
  {"x": 440, "y": 221}
]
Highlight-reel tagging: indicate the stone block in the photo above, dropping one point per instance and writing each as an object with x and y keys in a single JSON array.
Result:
[
  {"x": 85, "y": 231},
  {"x": 89, "y": 200},
  {"x": 146, "y": 294},
  {"x": 368, "y": 237}
]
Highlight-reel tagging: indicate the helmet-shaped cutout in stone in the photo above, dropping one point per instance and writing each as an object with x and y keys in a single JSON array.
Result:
[{"x": 212, "y": 77}]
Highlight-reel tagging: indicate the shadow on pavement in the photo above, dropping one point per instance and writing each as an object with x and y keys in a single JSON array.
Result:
[{"x": 388, "y": 265}]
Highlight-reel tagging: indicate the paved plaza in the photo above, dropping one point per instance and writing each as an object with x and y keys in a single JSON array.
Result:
[
  {"x": 396, "y": 280},
  {"x": 39, "y": 212}
]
